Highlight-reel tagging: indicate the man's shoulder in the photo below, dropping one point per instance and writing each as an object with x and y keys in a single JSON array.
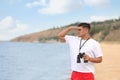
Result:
[
  {"x": 70, "y": 38},
  {"x": 93, "y": 41}
]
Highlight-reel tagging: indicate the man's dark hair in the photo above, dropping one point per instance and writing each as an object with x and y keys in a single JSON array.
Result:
[{"x": 84, "y": 25}]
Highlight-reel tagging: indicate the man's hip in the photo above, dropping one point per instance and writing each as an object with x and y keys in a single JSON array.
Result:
[{"x": 82, "y": 76}]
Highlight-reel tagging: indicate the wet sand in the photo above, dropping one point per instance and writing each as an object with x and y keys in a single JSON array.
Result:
[{"x": 109, "y": 69}]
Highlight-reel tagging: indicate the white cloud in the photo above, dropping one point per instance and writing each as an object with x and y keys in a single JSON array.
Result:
[
  {"x": 60, "y": 6},
  {"x": 64, "y": 6},
  {"x": 56, "y": 6},
  {"x": 6, "y": 23},
  {"x": 19, "y": 27},
  {"x": 3, "y": 37},
  {"x": 102, "y": 18},
  {"x": 36, "y": 3},
  {"x": 96, "y": 2},
  {"x": 10, "y": 28}
]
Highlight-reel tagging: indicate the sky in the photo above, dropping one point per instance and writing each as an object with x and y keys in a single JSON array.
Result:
[{"x": 20, "y": 17}]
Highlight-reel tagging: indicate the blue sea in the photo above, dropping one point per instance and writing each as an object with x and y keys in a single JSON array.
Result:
[{"x": 34, "y": 61}]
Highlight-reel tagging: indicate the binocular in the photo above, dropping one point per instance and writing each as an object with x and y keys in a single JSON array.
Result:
[{"x": 79, "y": 56}]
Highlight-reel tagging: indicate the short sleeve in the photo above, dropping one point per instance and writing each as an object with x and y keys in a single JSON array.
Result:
[
  {"x": 97, "y": 50},
  {"x": 69, "y": 38}
]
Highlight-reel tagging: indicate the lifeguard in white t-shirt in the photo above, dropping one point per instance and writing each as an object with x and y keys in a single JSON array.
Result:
[{"x": 84, "y": 51}]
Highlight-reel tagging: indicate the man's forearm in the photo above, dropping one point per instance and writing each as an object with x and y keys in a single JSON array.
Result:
[
  {"x": 64, "y": 32},
  {"x": 96, "y": 60}
]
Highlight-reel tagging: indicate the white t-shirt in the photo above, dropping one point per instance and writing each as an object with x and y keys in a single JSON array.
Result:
[{"x": 91, "y": 48}]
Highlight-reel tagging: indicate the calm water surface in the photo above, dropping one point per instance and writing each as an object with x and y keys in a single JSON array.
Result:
[{"x": 34, "y": 61}]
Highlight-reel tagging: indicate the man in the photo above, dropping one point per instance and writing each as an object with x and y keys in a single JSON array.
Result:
[{"x": 84, "y": 51}]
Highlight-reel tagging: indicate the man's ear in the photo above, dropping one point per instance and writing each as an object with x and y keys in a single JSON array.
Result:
[{"x": 86, "y": 30}]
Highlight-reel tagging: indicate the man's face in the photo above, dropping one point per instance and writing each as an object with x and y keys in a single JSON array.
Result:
[{"x": 82, "y": 31}]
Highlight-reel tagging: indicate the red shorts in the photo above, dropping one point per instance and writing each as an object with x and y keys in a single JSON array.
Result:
[{"x": 82, "y": 76}]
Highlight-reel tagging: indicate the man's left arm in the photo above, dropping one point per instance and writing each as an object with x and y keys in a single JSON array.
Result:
[
  {"x": 97, "y": 52},
  {"x": 94, "y": 60}
]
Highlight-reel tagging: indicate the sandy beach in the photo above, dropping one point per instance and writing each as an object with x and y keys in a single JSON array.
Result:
[{"x": 109, "y": 69}]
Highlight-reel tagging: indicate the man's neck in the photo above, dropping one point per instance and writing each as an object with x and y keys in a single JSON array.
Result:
[{"x": 86, "y": 37}]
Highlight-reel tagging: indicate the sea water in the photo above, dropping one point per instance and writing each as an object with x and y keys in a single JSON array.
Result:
[{"x": 34, "y": 61}]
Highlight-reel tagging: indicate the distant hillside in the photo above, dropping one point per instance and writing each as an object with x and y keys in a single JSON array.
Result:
[{"x": 102, "y": 31}]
